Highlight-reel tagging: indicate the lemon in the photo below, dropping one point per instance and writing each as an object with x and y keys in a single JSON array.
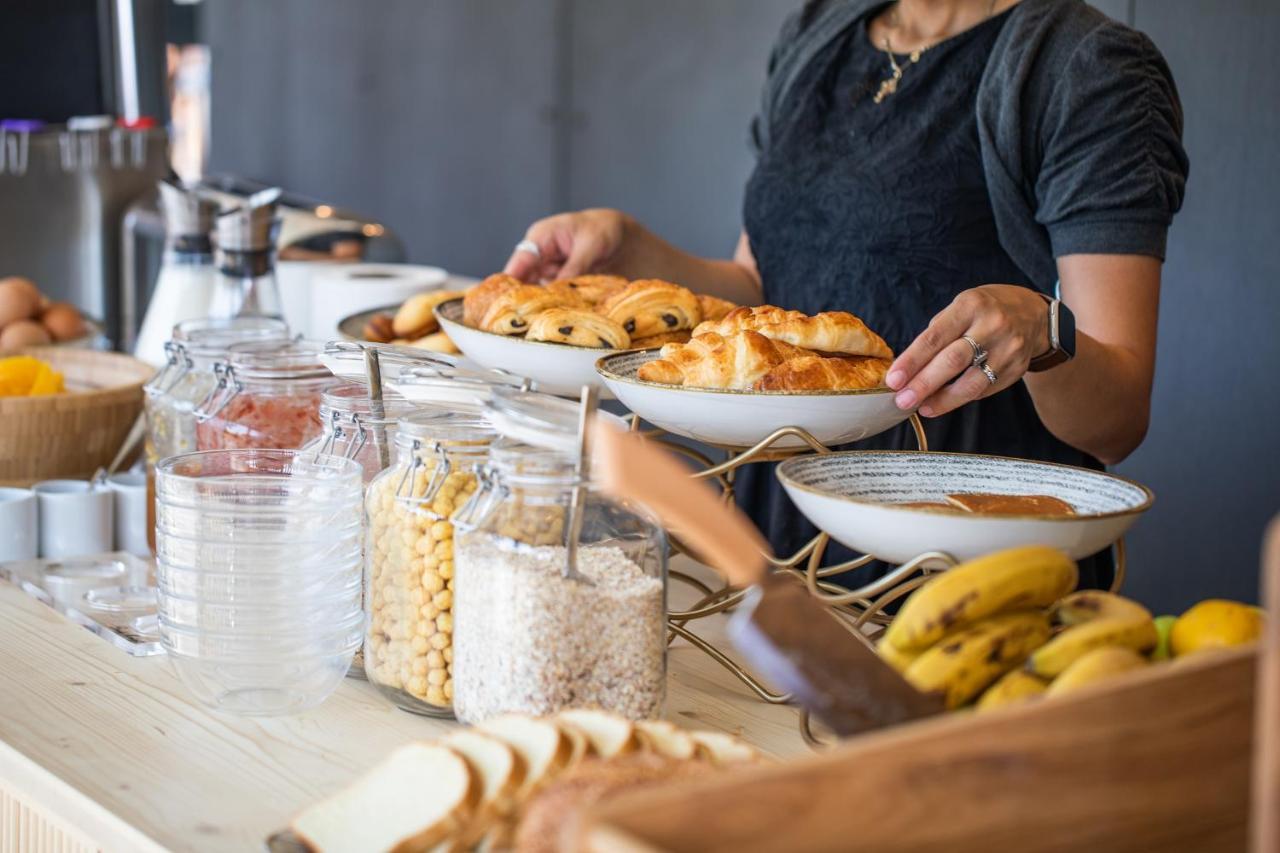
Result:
[{"x": 1215, "y": 624}]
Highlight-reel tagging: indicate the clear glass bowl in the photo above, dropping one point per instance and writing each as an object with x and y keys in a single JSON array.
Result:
[
  {"x": 230, "y": 587},
  {"x": 204, "y": 616},
  {"x": 259, "y": 575}
]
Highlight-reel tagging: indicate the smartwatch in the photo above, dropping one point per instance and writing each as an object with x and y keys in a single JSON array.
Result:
[{"x": 1062, "y": 337}]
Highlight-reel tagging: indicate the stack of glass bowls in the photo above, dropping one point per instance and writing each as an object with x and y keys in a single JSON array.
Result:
[{"x": 258, "y": 564}]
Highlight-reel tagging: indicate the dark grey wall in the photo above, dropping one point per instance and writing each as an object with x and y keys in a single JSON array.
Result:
[{"x": 460, "y": 121}]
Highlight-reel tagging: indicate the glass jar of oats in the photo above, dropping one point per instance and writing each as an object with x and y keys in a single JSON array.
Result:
[
  {"x": 560, "y": 591},
  {"x": 409, "y": 560}
]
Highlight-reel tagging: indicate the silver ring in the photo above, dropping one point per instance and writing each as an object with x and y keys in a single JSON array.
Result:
[
  {"x": 988, "y": 372},
  {"x": 979, "y": 354},
  {"x": 530, "y": 247}
]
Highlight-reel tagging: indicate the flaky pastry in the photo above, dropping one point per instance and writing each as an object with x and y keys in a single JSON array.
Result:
[
  {"x": 592, "y": 289},
  {"x": 476, "y": 301},
  {"x": 579, "y": 327},
  {"x": 651, "y": 306},
  {"x": 514, "y": 309},
  {"x": 833, "y": 332},
  {"x": 819, "y": 373}
]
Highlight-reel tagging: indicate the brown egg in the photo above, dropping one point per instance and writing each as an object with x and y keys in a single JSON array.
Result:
[
  {"x": 63, "y": 321},
  {"x": 19, "y": 300},
  {"x": 23, "y": 333}
]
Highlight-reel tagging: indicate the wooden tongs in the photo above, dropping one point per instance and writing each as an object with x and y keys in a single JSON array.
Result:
[{"x": 788, "y": 637}]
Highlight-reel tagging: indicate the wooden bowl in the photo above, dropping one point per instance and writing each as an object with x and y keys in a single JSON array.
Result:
[{"x": 74, "y": 433}]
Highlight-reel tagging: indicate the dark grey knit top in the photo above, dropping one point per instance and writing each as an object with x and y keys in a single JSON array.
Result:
[
  {"x": 1061, "y": 80},
  {"x": 890, "y": 210}
]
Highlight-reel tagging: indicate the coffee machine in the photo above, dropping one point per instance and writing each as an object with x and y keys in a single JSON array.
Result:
[{"x": 82, "y": 118}]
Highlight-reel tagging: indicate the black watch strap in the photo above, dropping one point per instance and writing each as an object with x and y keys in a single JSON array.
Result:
[{"x": 1062, "y": 337}]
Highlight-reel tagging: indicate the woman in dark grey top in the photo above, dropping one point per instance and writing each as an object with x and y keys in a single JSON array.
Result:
[{"x": 934, "y": 166}]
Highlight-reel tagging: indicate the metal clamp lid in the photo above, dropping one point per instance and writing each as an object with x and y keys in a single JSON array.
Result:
[{"x": 177, "y": 364}]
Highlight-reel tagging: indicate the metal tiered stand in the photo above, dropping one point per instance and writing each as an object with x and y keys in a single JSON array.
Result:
[{"x": 855, "y": 609}]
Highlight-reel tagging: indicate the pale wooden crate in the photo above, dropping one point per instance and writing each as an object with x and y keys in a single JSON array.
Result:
[{"x": 1159, "y": 760}]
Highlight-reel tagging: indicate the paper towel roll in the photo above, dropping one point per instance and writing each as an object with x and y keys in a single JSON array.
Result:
[{"x": 317, "y": 296}]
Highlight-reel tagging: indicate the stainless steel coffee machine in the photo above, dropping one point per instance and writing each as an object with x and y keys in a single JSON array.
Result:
[{"x": 82, "y": 116}]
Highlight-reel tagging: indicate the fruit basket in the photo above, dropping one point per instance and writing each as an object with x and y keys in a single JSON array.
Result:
[{"x": 74, "y": 433}]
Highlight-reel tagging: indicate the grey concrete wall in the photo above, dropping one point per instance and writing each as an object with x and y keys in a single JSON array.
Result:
[{"x": 459, "y": 121}]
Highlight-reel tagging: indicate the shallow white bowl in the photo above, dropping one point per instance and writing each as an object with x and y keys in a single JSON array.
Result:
[
  {"x": 852, "y": 495},
  {"x": 558, "y": 369},
  {"x": 743, "y": 418}
]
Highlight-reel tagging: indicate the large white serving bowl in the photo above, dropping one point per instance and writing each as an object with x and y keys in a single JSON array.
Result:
[
  {"x": 559, "y": 369},
  {"x": 856, "y": 497},
  {"x": 743, "y": 418}
]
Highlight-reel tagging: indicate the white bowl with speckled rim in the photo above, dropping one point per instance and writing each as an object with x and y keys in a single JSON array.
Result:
[
  {"x": 560, "y": 369},
  {"x": 857, "y": 496},
  {"x": 742, "y": 418}
]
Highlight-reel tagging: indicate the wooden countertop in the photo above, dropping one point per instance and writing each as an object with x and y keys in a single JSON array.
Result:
[{"x": 99, "y": 750}]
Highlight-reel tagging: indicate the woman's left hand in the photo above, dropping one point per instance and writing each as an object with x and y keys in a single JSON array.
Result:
[{"x": 1007, "y": 321}]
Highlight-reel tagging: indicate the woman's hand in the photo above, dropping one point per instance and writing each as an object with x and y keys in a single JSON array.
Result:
[
  {"x": 570, "y": 244},
  {"x": 1009, "y": 322}
]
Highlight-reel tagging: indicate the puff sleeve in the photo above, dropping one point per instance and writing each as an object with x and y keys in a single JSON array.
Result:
[{"x": 1112, "y": 168}]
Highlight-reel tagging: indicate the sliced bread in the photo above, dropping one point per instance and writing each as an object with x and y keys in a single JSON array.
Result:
[
  {"x": 418, "y": 796},
  {"x": 545, "y": 749},
  {"x": 667, "y": 739},
  {"x": 608, "y": 734},
  {"x": 721, "y": 749}
]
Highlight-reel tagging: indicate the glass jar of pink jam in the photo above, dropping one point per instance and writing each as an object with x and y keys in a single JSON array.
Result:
[{"x": 267, "y": 395}]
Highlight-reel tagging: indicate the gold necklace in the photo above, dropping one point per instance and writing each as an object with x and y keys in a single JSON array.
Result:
[{"x": 890, "y": 84}]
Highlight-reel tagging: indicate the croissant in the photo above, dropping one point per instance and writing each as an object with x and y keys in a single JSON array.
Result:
[
  {"x": 415, "y": 318},
  {"x": 835, "y": 332},
  {"x": 577, "y": 326},
  {"x": 816, "y": 373},
  {"x": 715, "y": 361},
  {"x": 650, "y": 307},
  {"x": 592, "y": 289},
  {"x": 476, "y": 301},
  {"x": 515, "y": 308}
]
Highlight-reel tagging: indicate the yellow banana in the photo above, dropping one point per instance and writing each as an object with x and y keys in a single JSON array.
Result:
[
  {"x": 896, "y": 659},
  {"x": 1014, "y": 687},
  {"x": 1094, "y": 666},
  {"x": 1015, "y": 579},
  {"x": 963, "y": 664},
  {"x": 1052, "y": 659},
  {"x": 1089, "y": 604}
]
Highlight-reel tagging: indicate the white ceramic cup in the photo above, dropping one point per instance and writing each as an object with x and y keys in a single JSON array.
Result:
[
  {"x": 19, "y": 539},
  {"x": 130, "y": 490},
  {"x": 74, "y": 519}
]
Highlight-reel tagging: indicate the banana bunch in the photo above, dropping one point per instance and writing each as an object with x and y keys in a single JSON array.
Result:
[{"x": 1007, "y": 628}]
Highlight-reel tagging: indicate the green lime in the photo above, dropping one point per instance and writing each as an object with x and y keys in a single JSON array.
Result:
[{"x": 1164, "y": 628}]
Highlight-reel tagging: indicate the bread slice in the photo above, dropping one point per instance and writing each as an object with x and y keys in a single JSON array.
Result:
[
  {"x": 667, "y": 739},
  {"x": 722, "y": 749},
  {"x": 544, "y": 748},
  {"x": 608, "y": 734},
  {"x": 420, "y": 795},
  {"x": 579, "y": 744},
  {"x": 501, "y": 773}
]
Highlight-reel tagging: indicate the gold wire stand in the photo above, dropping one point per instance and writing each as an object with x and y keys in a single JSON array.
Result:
[{"x": 861, "y": 611}]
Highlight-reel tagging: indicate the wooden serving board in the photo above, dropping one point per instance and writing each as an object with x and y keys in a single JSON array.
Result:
[{"x": 1158, "y": 761}]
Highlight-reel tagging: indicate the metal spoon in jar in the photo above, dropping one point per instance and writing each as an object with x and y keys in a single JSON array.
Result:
[
  {"x": 99, "y": 478},
  {"x": 582, "y": 470}
]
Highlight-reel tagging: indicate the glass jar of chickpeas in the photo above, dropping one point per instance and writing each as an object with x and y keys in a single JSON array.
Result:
[{"x": 408, "y": 652}]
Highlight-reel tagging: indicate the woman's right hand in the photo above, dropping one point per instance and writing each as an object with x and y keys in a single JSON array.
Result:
[{"x": 570, "y": 244}]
